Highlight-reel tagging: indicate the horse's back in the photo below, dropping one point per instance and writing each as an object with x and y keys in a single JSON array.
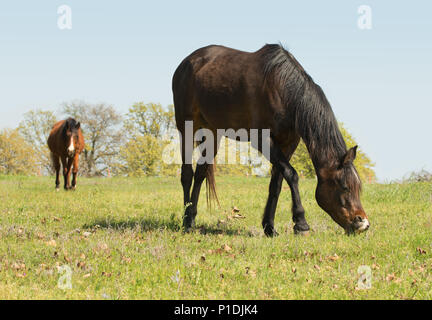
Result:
[{"x": 215, "y": 81}]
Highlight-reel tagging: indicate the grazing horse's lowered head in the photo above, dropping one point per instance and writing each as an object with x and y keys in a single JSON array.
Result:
[{"x": 338, "y": 193}]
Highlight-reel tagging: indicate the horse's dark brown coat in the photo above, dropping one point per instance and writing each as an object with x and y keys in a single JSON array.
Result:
[{"x": 220, "y": 88}]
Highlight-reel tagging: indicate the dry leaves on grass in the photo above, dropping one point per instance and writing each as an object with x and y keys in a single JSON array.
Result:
[
  {"x": 224, "y": 249},
  {"x": 420, "y": 250},
  {"x": 375, "y": 266},
  {"x": 18, "y": 266},
  {"x": 250, "y": 272},
  {"x": 392, "y": 278},
  {"x": 125, "y": 259},
  {"x": 334, "y": 257},
  {"x": 40, "y": 236},
  {"x": 101, "y": 247},
  {"x": 51, "y": 243}
]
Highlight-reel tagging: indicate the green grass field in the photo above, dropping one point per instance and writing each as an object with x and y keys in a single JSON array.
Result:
[{"x": 121, "y": 239}]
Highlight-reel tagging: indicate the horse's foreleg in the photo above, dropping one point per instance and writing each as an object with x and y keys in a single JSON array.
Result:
[
  {"x": 56, "y": 164},
  {"x": 270, "y": 209},
  {"x": 67, "y": 164},
  {"x": 75, "y": 170},
  {"x": 277, "y": 158}
]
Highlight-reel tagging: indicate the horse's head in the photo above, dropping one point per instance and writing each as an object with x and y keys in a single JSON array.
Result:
[
  {"x": 338, "y": 193},
  {"x": 71, "y": 131}
]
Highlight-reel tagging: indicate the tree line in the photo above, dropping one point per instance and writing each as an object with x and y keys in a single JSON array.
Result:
[{"x": 128, "y": 145}]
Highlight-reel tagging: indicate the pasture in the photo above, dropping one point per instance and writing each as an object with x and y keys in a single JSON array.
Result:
[{"x": 121, "y": 239}]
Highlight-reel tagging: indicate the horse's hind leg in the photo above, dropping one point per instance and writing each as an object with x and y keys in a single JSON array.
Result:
[
  {"x": 56, "y": 164},
  {"x": 200, "y": 175},
  {"x": 191, "y": 209},
  {"x": 186, "y": 175},
  {"x": 270, "y": 209}
]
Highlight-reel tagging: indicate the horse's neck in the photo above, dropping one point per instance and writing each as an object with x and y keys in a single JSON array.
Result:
[{"x": 324, "y": 155}]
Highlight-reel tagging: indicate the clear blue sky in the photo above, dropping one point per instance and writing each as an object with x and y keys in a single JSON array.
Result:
[{"x": 378, "y": 81}]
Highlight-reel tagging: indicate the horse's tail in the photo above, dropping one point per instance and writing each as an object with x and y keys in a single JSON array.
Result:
[{"x": 211, "y": 184}]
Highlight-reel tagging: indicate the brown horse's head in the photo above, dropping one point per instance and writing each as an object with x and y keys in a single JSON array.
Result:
[
  {"x": 71, "y": 135},
  {"x": 338, "y": 193}
]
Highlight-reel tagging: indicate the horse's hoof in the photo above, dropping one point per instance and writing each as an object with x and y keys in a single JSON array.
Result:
[
  {"x": 302, "y": 233},
  {"x": 301, "y": 229},
  {"x": 270, "y": 231},
  {"x": 57, "y": 189},
  {"x": 188, "y": 224},
  {"x": 187, "y": 229}
]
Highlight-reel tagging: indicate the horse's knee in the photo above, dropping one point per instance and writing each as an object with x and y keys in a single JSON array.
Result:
[{"x": 295, "y": 176}]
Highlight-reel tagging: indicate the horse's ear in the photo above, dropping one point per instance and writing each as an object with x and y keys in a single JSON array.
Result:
[
  {"x": 349, "y": 157},
  {"x": 78, "y": 125}
]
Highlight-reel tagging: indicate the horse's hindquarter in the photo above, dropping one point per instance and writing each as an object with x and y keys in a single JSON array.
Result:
[{"x": 227, "y": 89}]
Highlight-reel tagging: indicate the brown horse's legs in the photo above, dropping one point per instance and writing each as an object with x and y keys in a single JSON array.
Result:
[
  {"x": 186, "y": 181},
  {"x": 191, "y": 210},
  {"x": 187, "y": 175},
  {"x": 200, "y": 175},
  {"x": 66, "y": 163},
  {"x": 56, "y": 164},
  {"x": 270, "y": 209},
  {"x": 75, "y": 170},
  {"x": 277, "y": 158}
]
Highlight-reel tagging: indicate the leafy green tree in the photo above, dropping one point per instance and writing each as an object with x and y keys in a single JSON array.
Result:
[
  {"x": 35, "y": 129},
  {"x": 149, "y": 128},
  {"x": 16, "y": 155},
  {"x": 140, "y": 156},
  {"x": 149, "y": 119}
]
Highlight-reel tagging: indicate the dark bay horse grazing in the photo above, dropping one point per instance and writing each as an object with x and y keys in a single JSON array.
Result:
[
  {"x": 220, "y": 88},
  {"x": 66, "y": 142}
]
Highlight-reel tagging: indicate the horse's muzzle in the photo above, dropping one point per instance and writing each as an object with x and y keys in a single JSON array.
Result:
[{"x": 359, "y": 225}]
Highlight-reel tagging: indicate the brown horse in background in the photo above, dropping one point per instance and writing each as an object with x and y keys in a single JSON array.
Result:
[
  {"x": 66, "y": 142},
  {"x": 217, "y": 87}
]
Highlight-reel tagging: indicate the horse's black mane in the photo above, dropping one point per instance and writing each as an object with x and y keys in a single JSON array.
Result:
[{"x": 314, "y": 118}]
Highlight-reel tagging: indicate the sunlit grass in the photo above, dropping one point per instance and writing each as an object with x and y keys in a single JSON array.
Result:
[{"x": 122, "y": 240}]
